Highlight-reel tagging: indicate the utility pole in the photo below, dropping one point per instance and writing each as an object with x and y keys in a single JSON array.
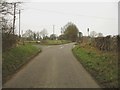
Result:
[
  {"x": 14, "y": 18},
  {"x": 19, "y": 22},
  {"x": 88, "y": 31}
]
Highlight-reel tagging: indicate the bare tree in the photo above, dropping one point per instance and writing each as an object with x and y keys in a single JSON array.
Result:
[
  {"x": 29, "y": 34},
  {"x": 38, "y": 35},
  {"x": 100, "y": 35},
  {"x": 6, "y": 8},
  {"x": 7, "y": 13},
  {"x": 93, "y": 34},
  {"x": 44, "y": 33},
  {"x": 6, "y": 24}
]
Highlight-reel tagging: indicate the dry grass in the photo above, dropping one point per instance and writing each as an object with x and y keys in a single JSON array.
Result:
[{"x": 101, "y": 65}]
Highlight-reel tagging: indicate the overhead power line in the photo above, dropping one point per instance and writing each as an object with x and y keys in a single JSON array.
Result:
[{"x": 71, "y": 14}]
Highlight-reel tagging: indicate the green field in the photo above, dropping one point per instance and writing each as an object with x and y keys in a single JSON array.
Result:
[
  {"x": 48, "y": 42},
  {"x": 14, "y": 58},
  {"x": 54, "y": 42},
  {"x": 101, "y": 65}
]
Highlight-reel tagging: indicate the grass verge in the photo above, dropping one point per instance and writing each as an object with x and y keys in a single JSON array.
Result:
[
  {"x": 16, "y": 57},
  {"x": 101, "y": 65}
]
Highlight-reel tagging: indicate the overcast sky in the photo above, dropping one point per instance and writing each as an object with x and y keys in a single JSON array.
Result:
[{"x": 98, "y": 16}]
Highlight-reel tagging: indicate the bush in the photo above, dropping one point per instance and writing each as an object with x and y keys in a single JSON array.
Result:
[{"x": 8, "y": 41}]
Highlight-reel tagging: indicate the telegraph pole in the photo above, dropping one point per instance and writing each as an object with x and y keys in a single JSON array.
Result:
[
  {"x": 14, "y": 18},
  {"x": 88, "y": 31},
  {"x": 19, "y": 22}
]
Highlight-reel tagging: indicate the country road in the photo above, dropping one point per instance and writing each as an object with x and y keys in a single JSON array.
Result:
[{"x": 54, "y": 67}]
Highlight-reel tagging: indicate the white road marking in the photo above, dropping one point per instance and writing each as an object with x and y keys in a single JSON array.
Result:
[
  {"x": 48, "y": 46},
  {"x": 61, "y": 47},
  {"x": 73, "y": 46}
]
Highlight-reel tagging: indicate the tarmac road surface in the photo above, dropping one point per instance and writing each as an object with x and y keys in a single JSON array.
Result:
[{"x": 54, "y": 67}]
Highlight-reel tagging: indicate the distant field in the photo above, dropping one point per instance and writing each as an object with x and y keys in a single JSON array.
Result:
[
  {"x": 49, "y": 42},
  {"x": 55, "y": 42},
  {"x": 16, "y": 57},
  {"x": 101, "y": 65}
]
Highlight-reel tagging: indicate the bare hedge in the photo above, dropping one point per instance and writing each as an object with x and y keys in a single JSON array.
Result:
[
  {"x": 8, "y": 41},
  {"x": 107, "y": 43}
]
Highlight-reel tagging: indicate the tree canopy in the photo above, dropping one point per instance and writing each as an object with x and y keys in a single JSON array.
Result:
[
  {"x": 71, "y": 31},
  {"x": 53, "y": 36}
]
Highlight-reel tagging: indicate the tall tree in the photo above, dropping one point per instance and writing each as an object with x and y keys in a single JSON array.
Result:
[
  {"x": 7, "y": 12},
  {"x": 29, "y": 34},
  {"x": 6, "y": 24},
  {"x": 71, "y": 31}
]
